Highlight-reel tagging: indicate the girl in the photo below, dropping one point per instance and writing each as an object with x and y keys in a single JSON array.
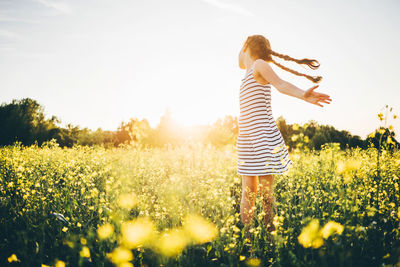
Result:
[{"x": 261, "y": 149}]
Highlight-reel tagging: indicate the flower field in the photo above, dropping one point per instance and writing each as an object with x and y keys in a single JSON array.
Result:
[{"x": 132, "y": 206}]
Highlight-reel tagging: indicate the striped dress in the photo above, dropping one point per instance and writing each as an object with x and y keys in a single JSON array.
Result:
[{"x": 260, "y": 146}]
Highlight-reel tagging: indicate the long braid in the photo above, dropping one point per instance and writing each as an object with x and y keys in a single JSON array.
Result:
[
  {"x": 315, "y": 79},
  {"x": 261, "y": 48},
  {"x": 312, "y": 63}
]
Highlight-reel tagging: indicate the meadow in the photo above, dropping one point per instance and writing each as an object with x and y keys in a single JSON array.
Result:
[{"x": 179, "y": 206}]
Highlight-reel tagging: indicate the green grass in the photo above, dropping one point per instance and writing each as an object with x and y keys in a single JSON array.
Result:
[{"x": 85, "y": 185}]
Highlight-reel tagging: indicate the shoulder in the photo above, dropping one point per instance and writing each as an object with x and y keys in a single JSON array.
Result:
[{"x": 261, "y": 65}]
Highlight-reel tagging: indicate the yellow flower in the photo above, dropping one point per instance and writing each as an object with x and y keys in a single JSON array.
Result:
[
  {"x": 253, "y": 262},
  {"x": 331, "y": 227},
  {"x": 138, "y": 232},
  {"x": 172, "y": 242},
  {"x": 236, "y": 229},
  {"x": 120, "y": 255},
  {"x": 85, "y": 252},
  {"x": 317, "y": 242},
  {"x": 60, "y": 264},
  {"x": 105, "y": 230},
  {"x": 127, "y": 200},
  {"x": 295, "y": 127},
  {"x": 64, "y": 229},
  {"x": 241, "y": 258},
  {"x": 12, "y": 258},
  {"x": 199, "y": 229},
  {"x": 309, "y": 235}
]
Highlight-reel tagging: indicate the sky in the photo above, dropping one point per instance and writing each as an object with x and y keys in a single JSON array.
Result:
[{"x": 96, "y": 63}]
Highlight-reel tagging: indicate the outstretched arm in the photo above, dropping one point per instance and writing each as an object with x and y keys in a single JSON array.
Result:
[{"x": 288, "y": 88}]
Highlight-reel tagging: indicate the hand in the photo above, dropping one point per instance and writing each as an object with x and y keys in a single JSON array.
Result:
[{"x": 314, "y": 97}]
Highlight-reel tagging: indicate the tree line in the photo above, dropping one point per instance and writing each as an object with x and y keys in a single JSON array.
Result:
[{"x": 24, "y": 121}]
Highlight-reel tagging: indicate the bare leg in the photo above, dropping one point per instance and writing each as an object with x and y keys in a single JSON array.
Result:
[
  {"x": 266, "y": 182},
  {"x": 247, "y": 203}
]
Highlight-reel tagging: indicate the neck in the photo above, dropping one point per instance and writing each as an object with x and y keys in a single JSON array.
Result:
[{"x": 248, "y": 63}]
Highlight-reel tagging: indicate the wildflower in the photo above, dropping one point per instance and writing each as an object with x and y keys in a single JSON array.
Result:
[
  {"x": 137, "y": 232},
  {"x": 127, "y": 200},
  {"x": 172, "y": 242},
  {"x": 199, "y": 229},
  {"x": 331, "y": 227},
  {"x": 236, "y": 229},
  {"x": 12, "y": 258},
  {"x": 309, "y": 235},
  {"x": 105, "y": 231},
  {"x": 64, "y": 229},
  {"x": 85, "y": 252},
  {"x": 253, "y": 262},
  {"x": 60, "y": 264},
  {"x": 120, "y": 255}
]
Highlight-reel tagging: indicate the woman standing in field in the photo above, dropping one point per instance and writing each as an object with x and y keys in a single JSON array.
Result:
[{"x": 261, "y": 149}]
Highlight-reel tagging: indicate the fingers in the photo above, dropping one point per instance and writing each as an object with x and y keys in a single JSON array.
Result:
[
  {"x": 324, "y": 101},
  {"x": 324, "y": 98},
  {"x": 318, "y": 104}
]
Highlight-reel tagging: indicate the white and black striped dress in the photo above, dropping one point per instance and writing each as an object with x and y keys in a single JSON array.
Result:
[{"x": 260, "y": 146}]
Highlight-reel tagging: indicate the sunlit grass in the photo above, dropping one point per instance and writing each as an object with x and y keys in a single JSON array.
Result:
[{"x": 130, "y": 206}]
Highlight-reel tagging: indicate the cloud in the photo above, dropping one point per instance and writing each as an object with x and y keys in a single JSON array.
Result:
[
  {"x": 11, "y": 19},
  {"x": 57, "y": 5},
  {"x": 9, "y": 35},
  {"x": 230, "y": 6}
]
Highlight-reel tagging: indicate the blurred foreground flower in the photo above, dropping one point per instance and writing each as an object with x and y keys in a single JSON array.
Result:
[
  {"x": 85, "y": 252},
  {"x": 312, "y": 234},
  {"x": 199, "y": 229},
  {"x": 171, "y": 242},
  {"x": 253, "y": 262},
  {"x": 330, "y": 228},
  {"x": 127, "y": 200},
  {"x": 138, "y": 232},
  {"x": 12, "y": 258},
  {"x": 120, "y": 255},
  {"x": 105, "y": 230}
]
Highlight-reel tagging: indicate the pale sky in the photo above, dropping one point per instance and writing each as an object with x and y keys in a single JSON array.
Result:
[{"x": 97, "y": 63}]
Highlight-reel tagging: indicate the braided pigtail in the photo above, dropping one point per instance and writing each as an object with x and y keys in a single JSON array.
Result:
[
  {"x": 261, "y": 48},
  {"x": 314, "y": 79},
  {"x": 312, "y": 63}
]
